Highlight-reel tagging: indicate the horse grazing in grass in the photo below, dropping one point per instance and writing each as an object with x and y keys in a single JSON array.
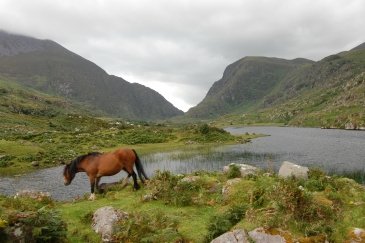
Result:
[{"x": 97, "y": 164}]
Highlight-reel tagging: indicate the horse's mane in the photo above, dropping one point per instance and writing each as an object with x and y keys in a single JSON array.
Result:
[{"x": 75, "y": 162}]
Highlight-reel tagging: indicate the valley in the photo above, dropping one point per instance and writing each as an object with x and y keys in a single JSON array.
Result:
[{"x": 56, "y": 105}]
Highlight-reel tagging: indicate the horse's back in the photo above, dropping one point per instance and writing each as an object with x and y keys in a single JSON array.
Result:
[
  {"x": 125, "y": 154},
  {"x": 113, "y": 162}
]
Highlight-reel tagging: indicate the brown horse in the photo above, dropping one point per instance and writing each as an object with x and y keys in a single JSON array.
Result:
[{"x": 97, "y": 164}]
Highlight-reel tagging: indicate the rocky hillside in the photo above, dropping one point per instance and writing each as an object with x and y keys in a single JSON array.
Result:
[
  {"x": 244, "y": 84},
  {"x": 49, "y": 67},
  {"x": 327, "y": 93}
]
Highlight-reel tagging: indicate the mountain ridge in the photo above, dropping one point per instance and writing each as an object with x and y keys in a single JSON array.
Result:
[
  {"x": 326, "y": 93},
  {"x": 47, "y": 66},
  {"x": 255, "y": 73}
]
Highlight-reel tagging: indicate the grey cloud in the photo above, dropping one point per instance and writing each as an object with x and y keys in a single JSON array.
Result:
[{"x": 187, "y": 43}]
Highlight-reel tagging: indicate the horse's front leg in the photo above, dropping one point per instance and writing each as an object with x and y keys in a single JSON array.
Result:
[{"x": 92, "y": 186}]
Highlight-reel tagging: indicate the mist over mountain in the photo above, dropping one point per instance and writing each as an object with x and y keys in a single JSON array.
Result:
[{"x": 51, "y": 68}]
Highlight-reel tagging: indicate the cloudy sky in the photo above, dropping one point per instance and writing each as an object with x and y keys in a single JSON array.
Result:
[{"x": 180, "y": 47}]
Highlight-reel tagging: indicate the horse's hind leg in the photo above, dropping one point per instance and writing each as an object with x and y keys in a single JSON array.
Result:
[
  {"x": 136, "y": 186},
  {"x": 98, "y": 189},
  {"x": 140, "y": 176}
]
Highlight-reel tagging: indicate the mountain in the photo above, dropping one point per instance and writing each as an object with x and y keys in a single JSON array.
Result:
[
  {"x": 244, "y": 84},
  {"x": 49, "y": 67},
  {"x": 327, "y": 93}
]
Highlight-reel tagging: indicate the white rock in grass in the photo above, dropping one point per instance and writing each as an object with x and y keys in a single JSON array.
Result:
[
  {"x": 104, "y": 220},
  {"x": 288, "y": 169},
  {"x": 260, "y": 236},
  {"x": 236, "y": 236}
]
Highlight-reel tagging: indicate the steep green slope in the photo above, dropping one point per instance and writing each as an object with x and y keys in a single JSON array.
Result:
[
  {"x": 47, "y": 66},
  {"x": 329, "y": 93},
  {"x": 244, "y": 84}
]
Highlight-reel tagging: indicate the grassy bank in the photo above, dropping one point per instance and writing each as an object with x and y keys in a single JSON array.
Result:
[
  {"x": 192, "y": 208},
  {"x": 30, "y": 146}
]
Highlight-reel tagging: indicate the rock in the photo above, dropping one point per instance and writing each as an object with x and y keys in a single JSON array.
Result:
[
  {"x": 356, "y": 235},
  {"x": 226, "y": 188},
  {"x": 244, "y": 169},
  {"x": 35, "y": 163},
  {"x": 104, "y": 219},
  {"x": 350, "y": 126},
  {"x": 236, "y": 236},
  {"x": 259, "y": 235},
  {"x": 149, "y": 197},
  {"x": 288, "y": 169},
  {"x": 190, "y": 179}
]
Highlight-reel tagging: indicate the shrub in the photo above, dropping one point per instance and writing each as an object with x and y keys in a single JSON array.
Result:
[
  {"x": 204, "y": 129},
  {"x": 148, "y": 227},
  {"x": 37, "y": 220},
  {"x": 6, "y": 160},
  {"x": 234, "y": 171},
  {"x": 172, "y": 190},
  {"x": 44, "y": 225},
  {"x": 222, "y": 223}
]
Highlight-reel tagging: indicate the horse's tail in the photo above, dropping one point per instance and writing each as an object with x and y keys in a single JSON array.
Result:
[{"x": 139, "y": 167}]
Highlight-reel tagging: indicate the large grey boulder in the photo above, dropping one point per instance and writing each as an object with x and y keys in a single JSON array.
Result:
[
  {"x": 288, "y": 169},
  {"x": 260, "y": 236},
  {"x": 104, "y": 220},
  {"x": 244, "y": 169},
  {"x": 236, "y": 236}
]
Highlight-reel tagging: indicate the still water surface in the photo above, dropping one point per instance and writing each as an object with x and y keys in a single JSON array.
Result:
[{"x": 331, "y": 150}]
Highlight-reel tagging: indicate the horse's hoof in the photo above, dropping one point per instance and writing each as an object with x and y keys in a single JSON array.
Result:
[{"x": 92, "y": 197}]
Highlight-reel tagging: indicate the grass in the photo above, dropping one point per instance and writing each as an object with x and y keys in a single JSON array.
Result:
[
  {"x": 52, "y": 131},
  {"x": 192, "y": 208},
  {"x": 192, "y": 220}
]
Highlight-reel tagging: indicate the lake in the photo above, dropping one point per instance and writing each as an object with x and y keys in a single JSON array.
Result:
[{"x": 329, "y": 149}]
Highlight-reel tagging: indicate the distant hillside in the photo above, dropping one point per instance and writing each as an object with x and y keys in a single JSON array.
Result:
[
  {"x": 244, "y": 84},
  {"x": 48, "y": 67},
  {"x": 27, "y": 111},
  {"x": 327, "y": 93}
]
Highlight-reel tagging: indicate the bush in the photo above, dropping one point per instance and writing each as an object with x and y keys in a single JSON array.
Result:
[
  {"x": 6, "y": 160},
  {"x": 172, "y": 190},
  {"x": 148, "y": 227},
  {"x": 233, "y": 172},
  {"x": 222, "y": 223},
  {"x": 44, "y": 225},
  {"x": 37, "y": 220},
  {"x": 204, "y": 129}
]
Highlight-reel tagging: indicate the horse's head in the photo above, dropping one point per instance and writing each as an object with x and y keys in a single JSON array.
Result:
[{"x": 68, "y": 175}]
